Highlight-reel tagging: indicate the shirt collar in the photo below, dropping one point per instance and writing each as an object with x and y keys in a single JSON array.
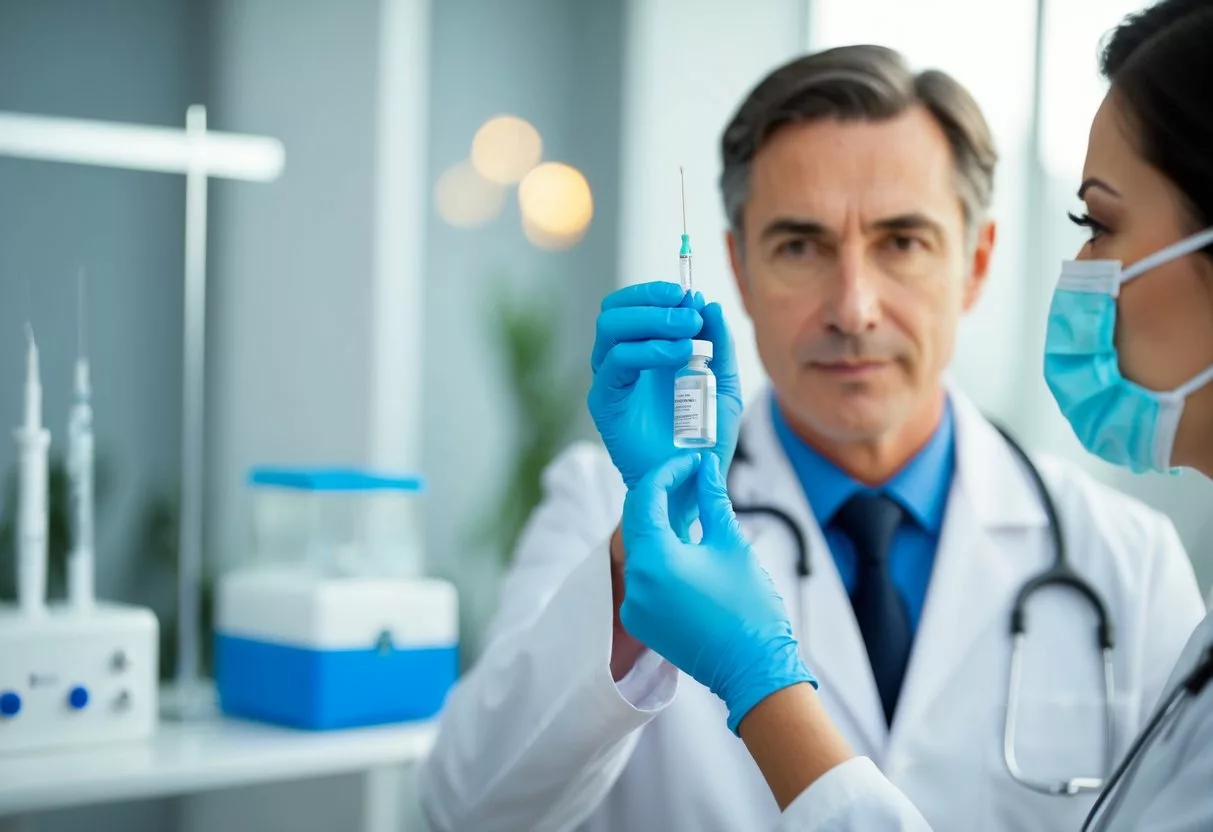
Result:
[{"x": 920, "y": 487}]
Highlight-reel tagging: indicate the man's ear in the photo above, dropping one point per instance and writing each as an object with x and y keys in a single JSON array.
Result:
[{"x": 979, "y": 264}]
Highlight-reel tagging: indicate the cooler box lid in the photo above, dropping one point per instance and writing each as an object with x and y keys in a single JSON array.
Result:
[{"x": 295, "y": 605}]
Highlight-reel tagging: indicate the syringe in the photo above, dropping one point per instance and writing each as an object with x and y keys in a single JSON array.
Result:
[
  {"x": 684, "y": 254},
  {"x": 80, "y": 472}
]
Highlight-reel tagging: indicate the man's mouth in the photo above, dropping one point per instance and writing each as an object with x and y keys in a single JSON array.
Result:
[{"x": 850, "y": 369}]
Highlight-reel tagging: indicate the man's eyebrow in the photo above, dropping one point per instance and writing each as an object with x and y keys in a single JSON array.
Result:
[
  {"x": 788, "y": 225},
  {"x": 914, "y": 221}
]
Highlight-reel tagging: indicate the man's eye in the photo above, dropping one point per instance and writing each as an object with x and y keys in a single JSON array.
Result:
[
  {"x": 794, "y": 248},
  {"x": 904, "y": 243}
]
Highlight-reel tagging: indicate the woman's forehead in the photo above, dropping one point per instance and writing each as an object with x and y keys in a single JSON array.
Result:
[{"x": 1112, "y": 154}]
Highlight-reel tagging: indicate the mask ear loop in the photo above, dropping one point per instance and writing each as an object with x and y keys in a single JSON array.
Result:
[
  {"x": 1174, "y": 402},
  {"x": 1174, "y": 251},
  {"x": 1186, "y": 246},
  {"x": 1198, "y": 381}
]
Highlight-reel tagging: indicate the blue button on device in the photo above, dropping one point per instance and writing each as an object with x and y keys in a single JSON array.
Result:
[
  {"x": 10, "y": 703},
  {"x": 78, "y": 698}
]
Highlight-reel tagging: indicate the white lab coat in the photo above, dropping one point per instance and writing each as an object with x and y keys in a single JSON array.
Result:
[
  {"x": 1169, "y": 788},
  {"x": 538, "y": 737}
]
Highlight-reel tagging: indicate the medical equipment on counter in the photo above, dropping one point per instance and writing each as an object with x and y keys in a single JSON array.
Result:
[
  {"x": 33, "y": 440},
  {"x": 316, "y": 651},
  {"x": 74, "y": 674},
  {"x": 1060, "y": 574},
  {"x": 331, "y": 626},
  {"x": 69, "y": 677},
  {"x": 684, "y": 253},
  {"x": 200, "y": 154},
  {"x": 337, "y": 519},
  {"x": 695, "y": 400},
  {"x": 80, "y": 472}
]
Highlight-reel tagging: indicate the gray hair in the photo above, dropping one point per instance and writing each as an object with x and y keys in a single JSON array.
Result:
[{"x": 855, "y": 83}]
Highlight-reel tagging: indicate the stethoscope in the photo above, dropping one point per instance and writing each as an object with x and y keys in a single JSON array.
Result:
[
  {"x": 1059, "y": 574},
  {"x": 1184, "y": 693}
]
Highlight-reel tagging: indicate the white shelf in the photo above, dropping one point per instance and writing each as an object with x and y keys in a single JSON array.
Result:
[{"x": 187, "y": 757}]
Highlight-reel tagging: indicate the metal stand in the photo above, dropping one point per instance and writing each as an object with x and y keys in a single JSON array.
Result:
[{"x": 193, "y": 381}]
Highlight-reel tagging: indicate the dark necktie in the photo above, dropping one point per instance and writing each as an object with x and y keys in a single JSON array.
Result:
[{"x": 870, "y": 520}]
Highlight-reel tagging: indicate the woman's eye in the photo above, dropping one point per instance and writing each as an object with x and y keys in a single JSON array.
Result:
[{"x": 1086, "y": 221}]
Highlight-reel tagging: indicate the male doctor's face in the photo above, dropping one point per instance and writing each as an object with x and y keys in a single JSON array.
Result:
[{"x": 855, "y": 269}]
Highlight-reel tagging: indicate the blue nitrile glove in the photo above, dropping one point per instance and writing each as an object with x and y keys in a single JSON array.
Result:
[
  {"x": 709, "y": 609},
  {"x": 643, "y": 337}
]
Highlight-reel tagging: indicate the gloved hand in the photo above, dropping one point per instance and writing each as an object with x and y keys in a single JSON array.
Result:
[
  {"x": 643, "y": 337},
  {"x": 710, "y": 608}
]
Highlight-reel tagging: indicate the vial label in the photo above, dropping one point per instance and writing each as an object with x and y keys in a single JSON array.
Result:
[{"x": 688, "y": 411}]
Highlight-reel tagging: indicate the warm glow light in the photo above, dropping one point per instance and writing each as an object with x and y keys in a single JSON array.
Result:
[
  {"x": 465, "y": 199},
  {"x": 540, "y": 238},
  {"x": 557, "y": 205},
  {"x": 505, "y": 148}
]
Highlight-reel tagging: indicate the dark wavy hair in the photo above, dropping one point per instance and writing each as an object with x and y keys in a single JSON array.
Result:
[{"x": 1160, "y": 64}]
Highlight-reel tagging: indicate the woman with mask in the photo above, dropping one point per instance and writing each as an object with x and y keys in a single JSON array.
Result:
[{"x": 1129, "y": 359}]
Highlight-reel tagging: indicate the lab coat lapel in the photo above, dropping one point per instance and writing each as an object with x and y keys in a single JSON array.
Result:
[
  {"x": 976, "y": 568},
  {"x": 822, "y": 618}
]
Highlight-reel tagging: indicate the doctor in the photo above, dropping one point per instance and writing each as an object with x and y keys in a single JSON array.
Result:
[
  {"x": 1132, "y": 315},
  {"x": 857, "y": 193}
]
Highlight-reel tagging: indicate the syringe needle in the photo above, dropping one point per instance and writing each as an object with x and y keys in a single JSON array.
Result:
[
  {"x": 684, "y": 253},
  {"x": 682, "y": 186}
]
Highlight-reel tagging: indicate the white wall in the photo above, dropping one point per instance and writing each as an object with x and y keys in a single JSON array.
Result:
[
  {"x": 316, "y": 321},
  {"x": 315, "y": 325},
  {"x": 556, "y": 64},
  {"x": 679, "y": 93},
  {"x": 292, "y": 266}
]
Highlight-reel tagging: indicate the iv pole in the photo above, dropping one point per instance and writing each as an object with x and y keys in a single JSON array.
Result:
[{"x": 199, "y": 155}]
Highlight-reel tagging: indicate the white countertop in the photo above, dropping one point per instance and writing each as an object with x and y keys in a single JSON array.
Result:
[{"x": 210, "y": 753}]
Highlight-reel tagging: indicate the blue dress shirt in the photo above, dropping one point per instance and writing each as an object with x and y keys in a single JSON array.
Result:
[{"x": 921, "y": 488}]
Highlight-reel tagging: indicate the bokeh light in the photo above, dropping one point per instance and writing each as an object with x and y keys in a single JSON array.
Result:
[
  {"x": 540, "y": 238},
  {"x": 505, "y": 149},
  {"x": 556, "y": 204},
  {"x": 465, "y": 199}
]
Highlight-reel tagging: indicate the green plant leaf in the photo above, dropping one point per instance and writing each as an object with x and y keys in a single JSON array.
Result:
[{"x": 546, "y": 405}]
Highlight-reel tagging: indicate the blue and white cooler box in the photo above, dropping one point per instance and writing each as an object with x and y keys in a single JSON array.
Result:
[{"x": 310, "y": 650}]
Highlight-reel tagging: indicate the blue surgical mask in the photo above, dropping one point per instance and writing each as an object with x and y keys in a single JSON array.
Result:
[{"x": 1114, "y": 418}]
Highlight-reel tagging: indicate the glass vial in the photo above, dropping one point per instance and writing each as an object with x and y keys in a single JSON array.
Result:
[{"x": 695, "y": 400}]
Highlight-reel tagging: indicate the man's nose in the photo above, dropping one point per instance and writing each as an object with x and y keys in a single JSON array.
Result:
[{"x": 856, "y": 303}]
